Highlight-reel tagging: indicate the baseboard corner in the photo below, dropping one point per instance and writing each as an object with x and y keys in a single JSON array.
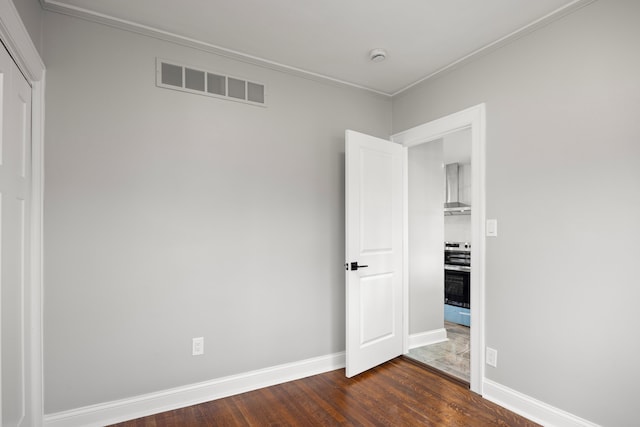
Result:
[
  {"x": 528, "y": 407},
  {"x": 433, "y": 336}
]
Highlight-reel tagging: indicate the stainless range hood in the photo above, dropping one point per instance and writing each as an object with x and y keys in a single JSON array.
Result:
[{"x": 453, "y": 204}]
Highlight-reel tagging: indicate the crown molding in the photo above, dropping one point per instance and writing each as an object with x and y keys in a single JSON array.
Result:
[
  {"x": 503, "y": 41},
  {"x": 134, "y": 27},
  {"x": 70, "y": 10}
]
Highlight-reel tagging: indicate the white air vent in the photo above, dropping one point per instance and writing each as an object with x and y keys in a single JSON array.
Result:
[{"x": 184, "y": 78}]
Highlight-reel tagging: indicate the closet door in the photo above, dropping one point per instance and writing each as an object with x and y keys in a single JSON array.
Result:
[{"x": 15, "y": 173}]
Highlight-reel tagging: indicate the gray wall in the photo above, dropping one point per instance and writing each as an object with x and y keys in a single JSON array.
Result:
[
  {"x": 426, "y": 234},
  {"x": 563, "y": 146},
  {"x": 170, "y": 216},
  {"x": 31, "y": 14},
  {"x": 457, "y": 228}
]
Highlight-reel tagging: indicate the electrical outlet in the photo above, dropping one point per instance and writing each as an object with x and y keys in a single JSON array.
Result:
[
  {"x": 492, "y": 357},
  {"x": 197, "y": 346}
]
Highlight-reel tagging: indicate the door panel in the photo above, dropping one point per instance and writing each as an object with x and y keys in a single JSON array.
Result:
[
  {"x": 376, "y": 195},
  {"x": 373, "y": 240},
  {"x": 15, "y": 161},
  {"x": 377, "y": 313}
]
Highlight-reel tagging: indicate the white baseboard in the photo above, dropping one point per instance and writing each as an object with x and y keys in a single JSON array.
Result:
[
  {"x": 427, "y": 338},
  {"x": 193, "y": 394},
  {"x": 531, "y": 408},
  {"x": 167, "y": 400}
]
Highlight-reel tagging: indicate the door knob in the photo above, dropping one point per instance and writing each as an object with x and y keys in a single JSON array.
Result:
[{"x": 355, "y": 266}]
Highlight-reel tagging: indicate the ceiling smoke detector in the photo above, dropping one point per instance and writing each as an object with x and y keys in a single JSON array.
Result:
[{"x": 378, "y": 55}]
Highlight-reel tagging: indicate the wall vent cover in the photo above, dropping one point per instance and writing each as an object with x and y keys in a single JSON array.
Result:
[{"x": 171, "y": 75}]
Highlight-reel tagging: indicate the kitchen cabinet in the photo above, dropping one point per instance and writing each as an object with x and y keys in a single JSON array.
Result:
[{"x": 459, "y": 315}]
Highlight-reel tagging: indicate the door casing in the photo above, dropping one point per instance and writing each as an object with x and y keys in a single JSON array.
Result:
[
  {"x": 21, "y": 48},
  {"x": 473, "y": 118}
]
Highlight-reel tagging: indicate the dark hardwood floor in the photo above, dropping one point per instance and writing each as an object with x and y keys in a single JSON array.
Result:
[{"x": 397, "y": 393}]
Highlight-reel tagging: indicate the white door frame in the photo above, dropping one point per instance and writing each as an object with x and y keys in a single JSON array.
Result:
[
  {"x": 475, "y": 119},
  {"x": 21, "y": 48}
]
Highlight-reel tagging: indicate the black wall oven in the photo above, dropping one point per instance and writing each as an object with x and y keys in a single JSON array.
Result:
[
  {"x": 457, "y": 288},
  {"x": 457, "y": 274}
]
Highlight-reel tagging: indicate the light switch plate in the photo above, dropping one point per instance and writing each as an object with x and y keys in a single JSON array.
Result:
[
  {"x": 197, "y": 346},
  {"x": 492, "y": 228}
]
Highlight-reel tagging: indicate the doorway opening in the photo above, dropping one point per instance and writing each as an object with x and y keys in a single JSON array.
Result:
[
  {"x": 439, "y": 181},
  {"x": 473, "y": 120},
  {"x": 452, "y": 356}
]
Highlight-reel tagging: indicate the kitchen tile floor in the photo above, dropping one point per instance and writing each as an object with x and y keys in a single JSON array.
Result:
[{"x": 450, "y": 356}]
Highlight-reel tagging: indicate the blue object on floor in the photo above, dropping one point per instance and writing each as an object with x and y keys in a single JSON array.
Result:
[{"x": 459, "y": 315}]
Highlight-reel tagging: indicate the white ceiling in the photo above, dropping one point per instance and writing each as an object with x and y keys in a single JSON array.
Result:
[{"x": 332, "y": 38}]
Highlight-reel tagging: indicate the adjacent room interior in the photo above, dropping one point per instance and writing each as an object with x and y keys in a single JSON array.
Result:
[{"x": 433, "y": 213}]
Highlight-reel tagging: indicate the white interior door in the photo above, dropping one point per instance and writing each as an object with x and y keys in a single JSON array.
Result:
[
  {"x": 374, "y": 215},
  {"x": 15, "y": 163}
]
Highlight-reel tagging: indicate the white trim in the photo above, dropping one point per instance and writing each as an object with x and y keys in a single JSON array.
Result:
[
  {"x": 37, "y": 214},
  {"x": 474, "y": 118},
  {"x": 78, "y": 12},
  {"x": 21, "y": 48},
  {"x": 405, "y": 251},
  {"x": 134, "y": 27},
  {"x": 531, "y": 408},
  {"x": 502, "y": 41},
  {"x": 19, "y": 43},
  {"x": 193, "y": 394},
  {"x": 478, "y": 246},
  {"x": 427, "y": 338}
]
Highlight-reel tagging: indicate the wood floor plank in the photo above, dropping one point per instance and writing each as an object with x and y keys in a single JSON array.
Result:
[
  {"x": 397, "y": 393},
  {"x": 307, "y": 405}
]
